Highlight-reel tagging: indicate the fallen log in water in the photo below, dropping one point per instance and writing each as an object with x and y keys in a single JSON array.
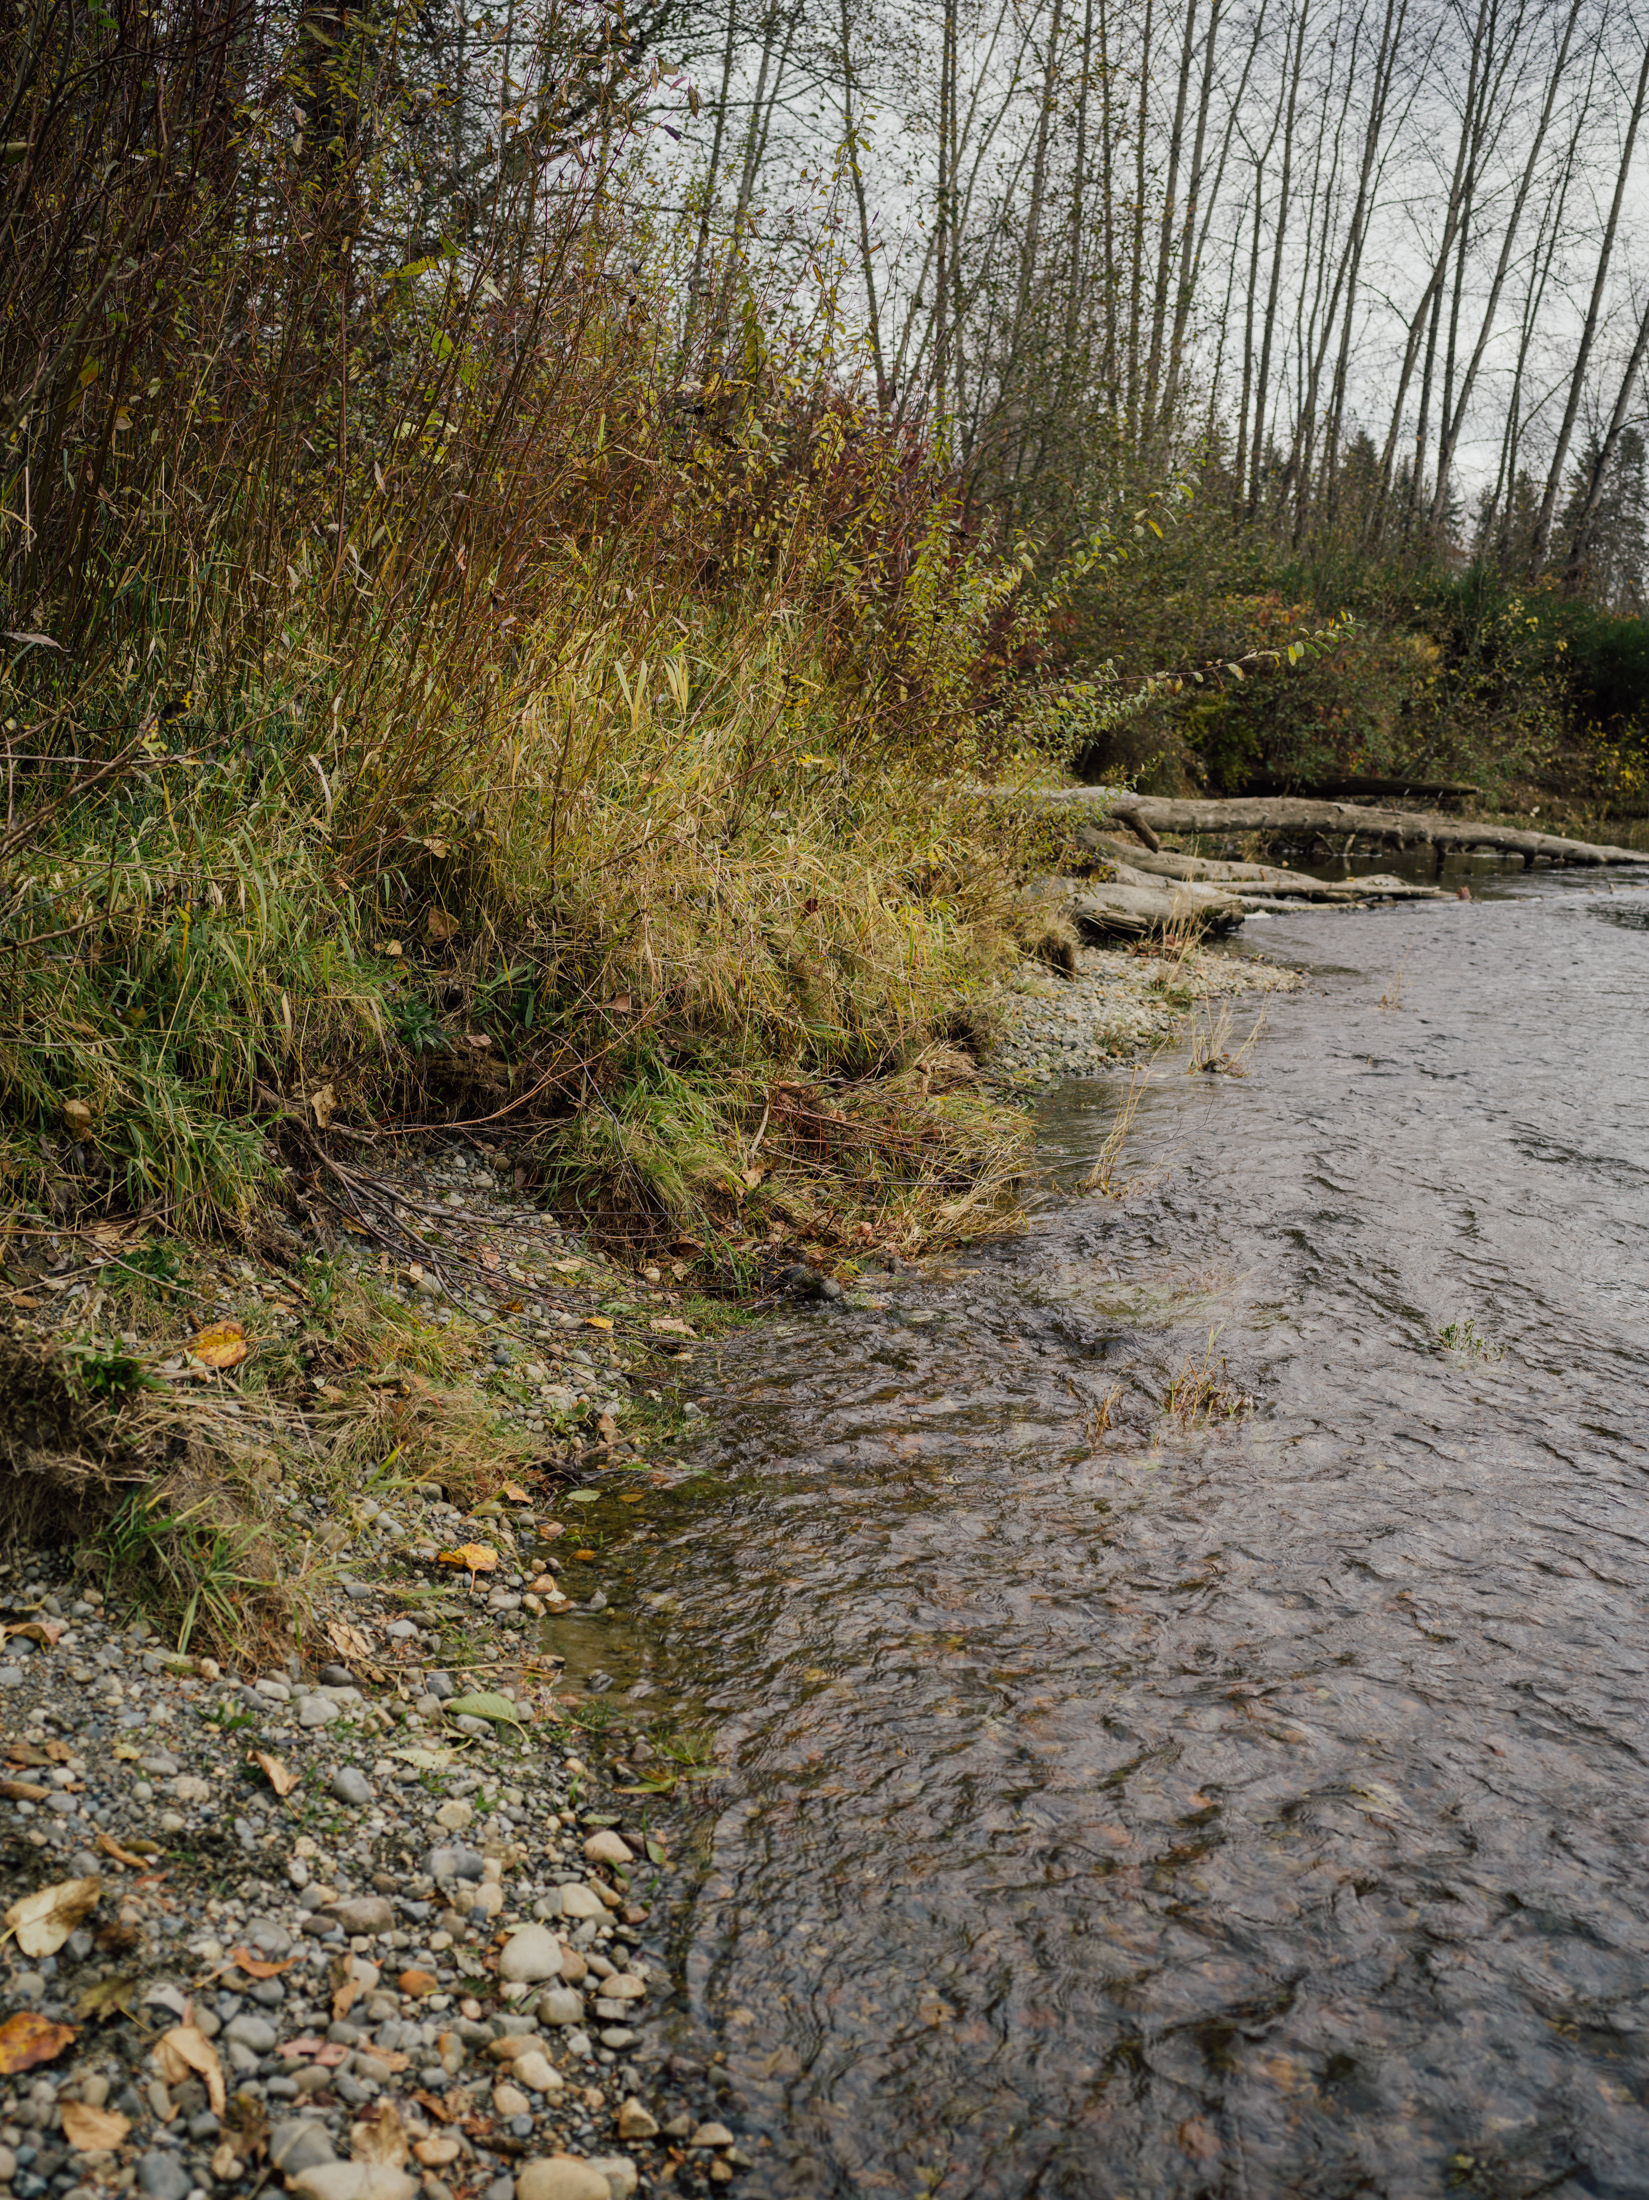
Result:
[
  {"x": 1135, "y": 912},
  {"x": 1152, "y": 815},
  {"x": 1135, "y": 867}
]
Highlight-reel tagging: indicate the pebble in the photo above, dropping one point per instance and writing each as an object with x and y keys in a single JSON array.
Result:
[
  {"x": 350, "y": 1785},
  {"x": 561, "y": 2177},
  {"x": 300, "y": 2144},
  {"x": 163, "y": 2176},
  {"x": 351, "y": 2181},
  {"x": 607, "y": 1847},
  {"x": 530, "y": 1954},
  {"x": 368, "y": 1913}
]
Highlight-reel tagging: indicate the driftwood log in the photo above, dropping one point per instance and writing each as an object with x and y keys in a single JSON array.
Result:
[
  {"x": 1149, "y": 816},
  {"x": 1135, "y": 866}
]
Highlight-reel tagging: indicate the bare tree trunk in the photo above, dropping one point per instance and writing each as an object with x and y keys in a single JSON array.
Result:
[
  {"x": 1575, "y": 567},
  {"x": 1588, "y": 334},
  {"x": 1256, "y": 462},
  {"x": 1454, "y": 418},
  {"x": 1170, "y": 214},
  {"x": 867, "y": 258}
]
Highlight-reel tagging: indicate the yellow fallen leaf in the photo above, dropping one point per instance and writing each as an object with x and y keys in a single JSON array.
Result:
[
  {"x": 323, "y": 1104},
  {"x": 597, "y": 1321},
  {"x": 29, "y": 2038},
  {"x": 282, "y": 1781},
  {"x": 184, "y": 2049},
  {"x": 476, "y": 1558},
  {"x": 222, "y": 1345},
  {"x": 516, "y": 1494},
  {"x": 43, "y": 1921},
  {"x": 567, "y": 1267},
  {"x": 93, "y": 2130}
]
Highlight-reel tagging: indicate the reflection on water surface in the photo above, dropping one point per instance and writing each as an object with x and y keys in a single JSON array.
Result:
[{"x": 1248, "y": 1807}]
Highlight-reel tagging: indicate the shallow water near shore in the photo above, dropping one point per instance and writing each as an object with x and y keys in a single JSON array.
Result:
[{"x": 1243, "y": 1804}]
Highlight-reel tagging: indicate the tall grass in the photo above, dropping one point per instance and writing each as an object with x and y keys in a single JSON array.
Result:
[{"x": 430, "y": 698}]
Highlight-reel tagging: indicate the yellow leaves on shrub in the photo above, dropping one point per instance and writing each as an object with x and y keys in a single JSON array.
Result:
[
  {"x": 43, "y": 1921},
  {"x": 221, "y": 1345},
  {"x": 28, "y": 2039}
]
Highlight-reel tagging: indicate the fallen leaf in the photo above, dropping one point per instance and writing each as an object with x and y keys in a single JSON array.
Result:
[
  {"x": 489, "y": 1259},
  {"x": 43, "y": 1631},
  {"x": 305, "y": 2044},
  {"x": 93, "y": 2130},
  {"x": 110, "y": 1997},
  {"x": 349, "y": 1640},
  {"x": 346, "y": 1988},
  {"x": 29, "y": 2038},
  {"x": 282, "y": 1781},
  {"x": 25, "y": 1753},
  {"x": 440, "y": 926},
  {"x": 606, "y": 1428},
  {"x": 669, "y": 1326},
  {"x": 444, "y": 2112},
  {"x": 579, "y": 1497},
  {"x": 23, "y": 1791},
  {"x": 186, "y": 2048},
  {"x": 427, "y": 1760},
  {"x": 323, "y": 1104},
  {"x": 256, "y": 1967},
  {"x": 379, "y": 2136},
  {"x": 516, "y": 1494},
  {"x": 632, "y": 1497},
  {"x": 567, "y": 1267},
  {"x": 498, "y": 1709},
  {"x": 598, "y": 1321},
  {"x": 545, "y": 1586},
  {"x": 221, "y": 1345},
  {"x": 620, "y": 1001},
  {"x": 109, "y": 1846},
  {"x": 43, "y": 1921},
  {"x": 477, "y": 1558}
]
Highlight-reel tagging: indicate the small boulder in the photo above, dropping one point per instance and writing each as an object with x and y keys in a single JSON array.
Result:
[
  {"x": 582, "y": 1902},
  {"x": 351, "y": 2181},
  {"x": 363, "y": 1913},
  {"x": 560, "y": 2005},
  {"x": 607, "y": 1847},
  {"x": 300, "y": 2143},
  {"x": 531, "y": 1953},
  {"x": 636, "y": 2121},
  {"x": 561, "y": 2177},
  {"x": 536, "y": 2072},
  {"x": 350, "y": 1785}
]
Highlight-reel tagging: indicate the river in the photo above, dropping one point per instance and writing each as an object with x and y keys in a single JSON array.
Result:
[{"x": 1246, "y": 1801}]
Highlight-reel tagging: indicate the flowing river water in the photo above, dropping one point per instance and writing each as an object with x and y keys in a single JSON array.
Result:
[{"x": 1246, "y": 1804}]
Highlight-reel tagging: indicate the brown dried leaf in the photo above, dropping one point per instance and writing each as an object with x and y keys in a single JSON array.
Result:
[
  {"x": 347, "y": 1639},
  {"x": 186, "y": 2048},
  {"x": 43, "y": 1631},
  {"x": 346, "y": 1988},
  {"x": 93, "y": 2130},
  {"x": 23, "y": 1791},
  {"x": 323, "y": 1104},
  {"x": 222, "y": 1344},
  {"x": 516, "y": 1494},
  {"x": 43, "y": 1921},
  {"x": 110, "y": 1997},
  {"x": 109, "y": 1846},
  {"x": 255, "y": 1967},
  {"x": 440, "y": 926},
  {"x": 29, "y": 2038},
  {"x": 282, "y": 1781},
  {"x": 379, "y": 2136}
]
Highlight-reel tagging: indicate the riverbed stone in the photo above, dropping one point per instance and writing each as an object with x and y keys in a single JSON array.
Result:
[
  {"x": 350, "y": 1785},
  {"x": 300, "y": 2143},
  {"x": 531, "y": 1953},
  {"x": 351, "y": 2181},
  {"x": 607, "y": 1847},
  {"x": 561, "y": 2177},
  {"x": 364, "y": 1913},
  {"x": 163, "y": 2176}
]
